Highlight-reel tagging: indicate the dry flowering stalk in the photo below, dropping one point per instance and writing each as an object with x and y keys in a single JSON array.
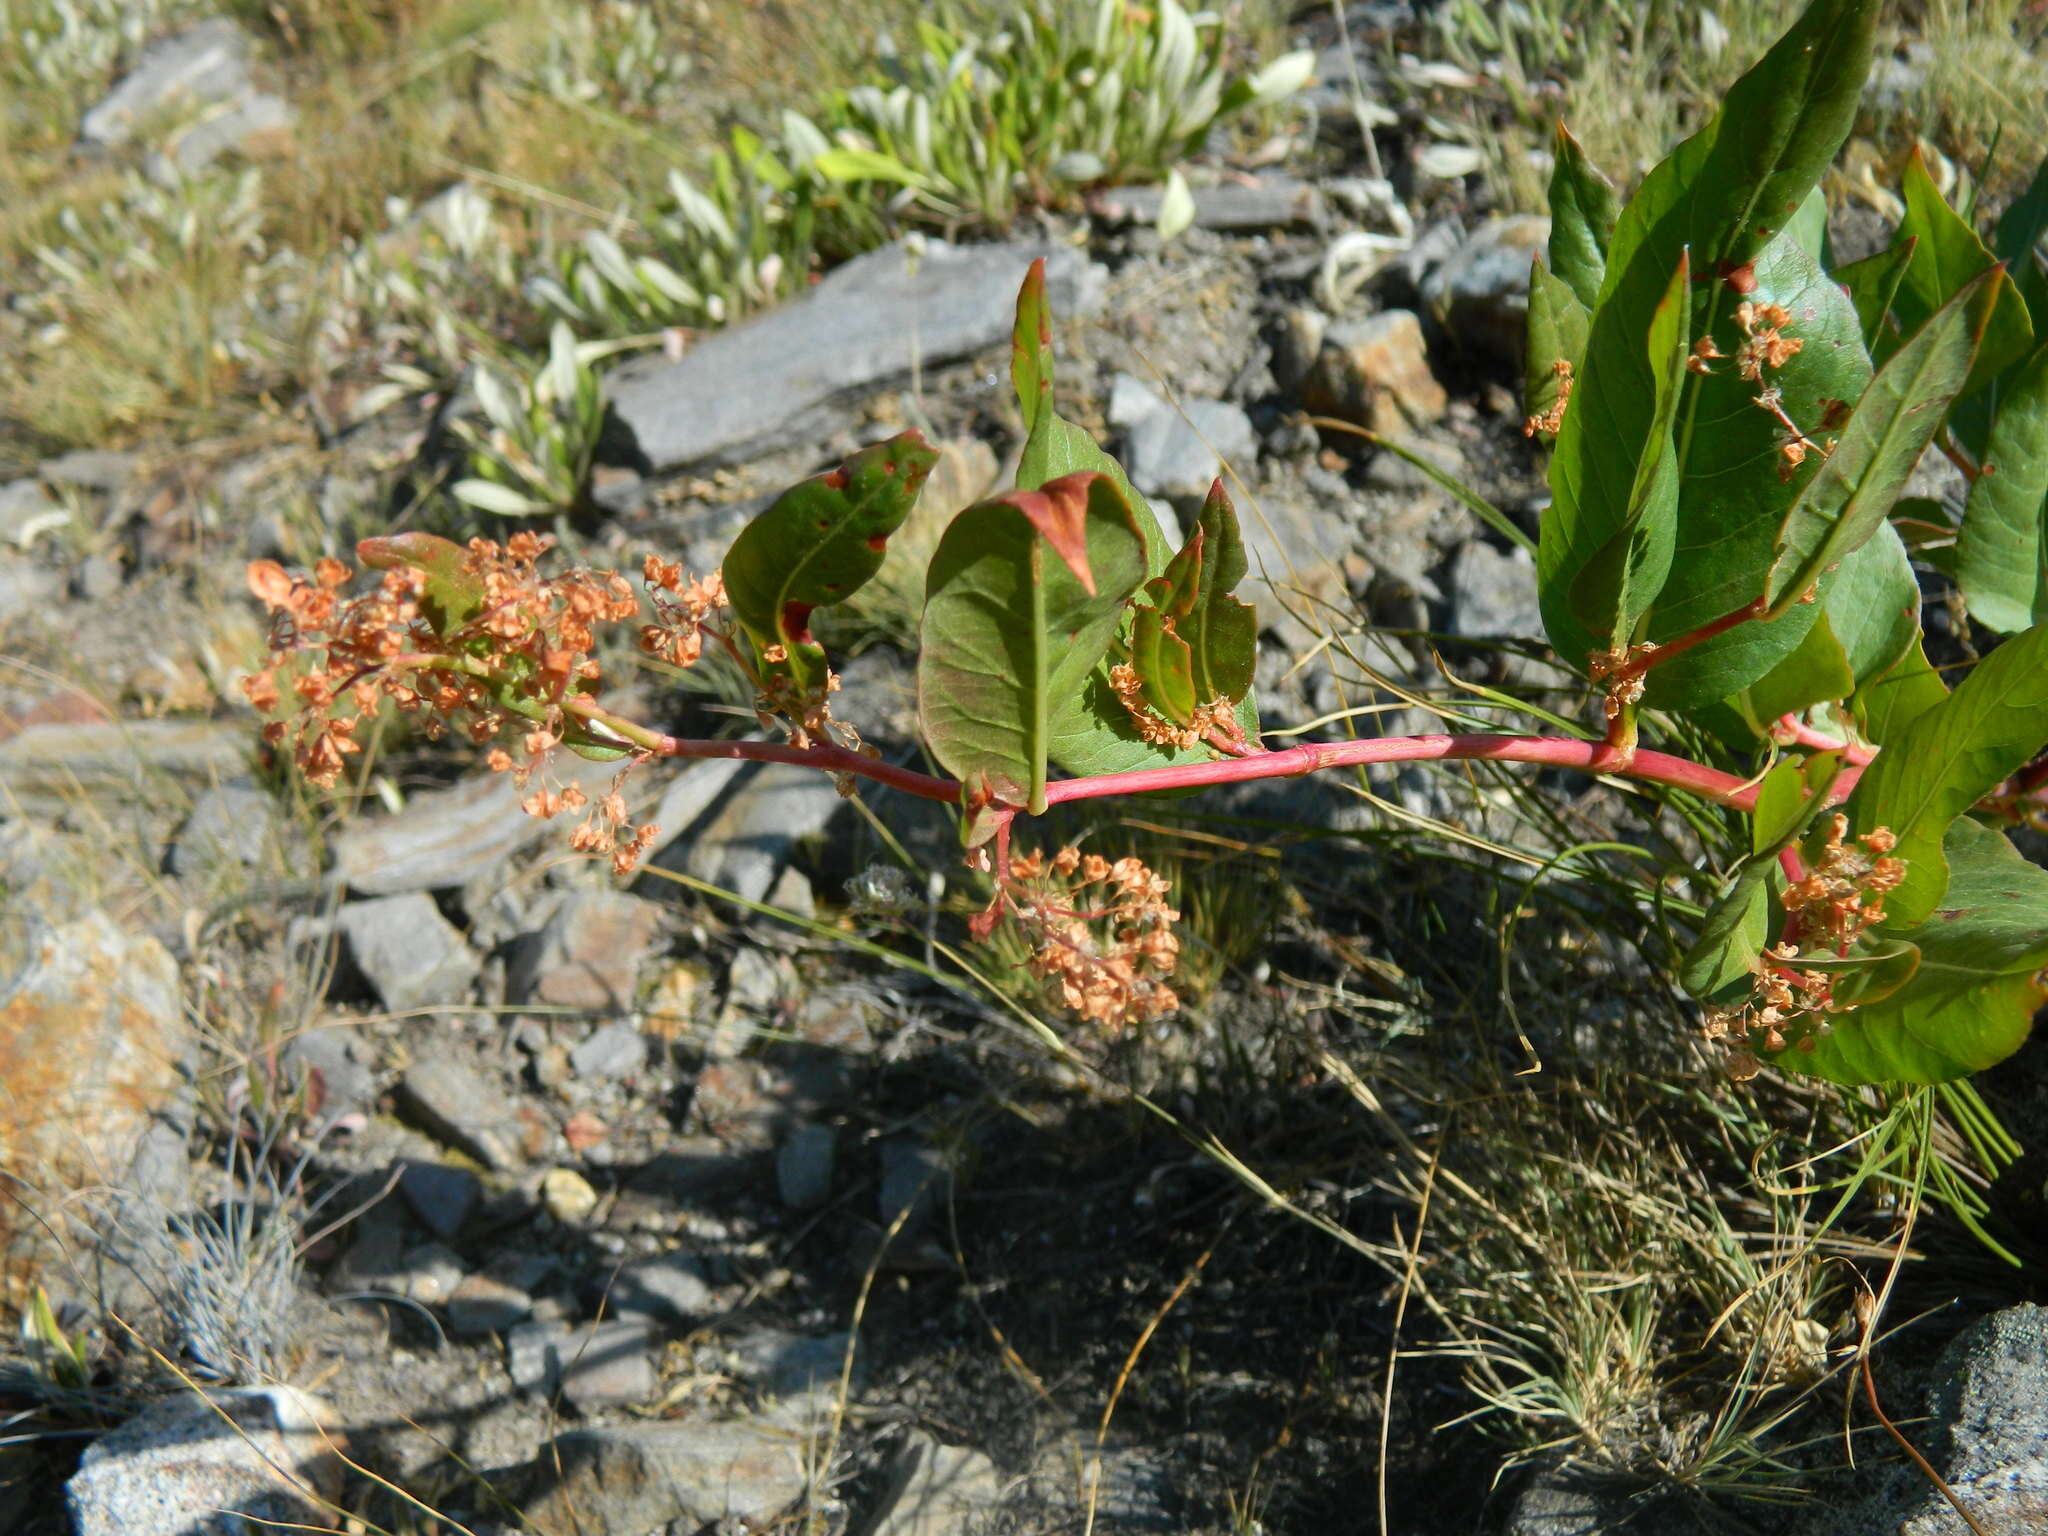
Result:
[
  {"x": 472, "y": 637},
  {"x": 1621, "y": 674},
  {"x": 1827, "y": 909},
  {"x": 1100, "y": 929}
]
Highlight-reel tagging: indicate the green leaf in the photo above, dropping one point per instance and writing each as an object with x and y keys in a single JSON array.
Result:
[
  {"x": 1618, "y": 585},
  {"x": 1053, "y": 446},
  {"x": 1949, "y": 757},
  {"x": 844, "y": 165},
  {"x": 1737, "y": 926},
  {"x": 2002, "y": 551},
  {"x": 1872, "y": 606},
  {"x": 498, "y": 500},
  {"x": 1844, "y": 503},
  {"x": 1871, "y": 284},
  {"x": 1947, "y": 255},
  {"x": 2018, "y": 234},
  {"x": 1012, "y": 630},
  {"x": 453, "y": 594},
  {"x": 1814, "y": 673},
  {"x": 1980, "y": 979},
  {"x": 1583, "y": 213},
  {"x": 1726, "y": 195},
  {"x": 1194, "y": 601},
  {"x": 1735, "y": 492},
  {"x": 1809, "y": 226},
  {"x": 818, "y": 543},
  {"x": 1554, "y": 333},
  {"x": 1901, "y": 694},
  {"x": 1874, "y": 968}
]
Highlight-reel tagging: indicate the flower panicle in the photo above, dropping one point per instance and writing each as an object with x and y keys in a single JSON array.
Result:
[{"x": 1100, "y": 931}]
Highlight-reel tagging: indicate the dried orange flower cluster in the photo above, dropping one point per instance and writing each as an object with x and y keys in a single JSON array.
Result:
[
  {"x": 1214, "y": 719},
  {"x": 1552, "y": 420},
  {"x": 1828, "y": 909},
  {"x": 1765, "y": 344},
  {"x": 682, "y": 607},
  {"x": 1785, "y": 1005},
  {"x": 1617, "y": 671},
  {"x": 1844, "y": 892},
  {"x": 1101, "y": 932},
  {"x": 1765, "y": 347},
  {"x": 473, "y": 637},
  {"x": 349, "y": 644}
]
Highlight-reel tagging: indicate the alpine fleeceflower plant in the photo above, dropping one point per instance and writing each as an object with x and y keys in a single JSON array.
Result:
[{"x": 1712, "y": 390}]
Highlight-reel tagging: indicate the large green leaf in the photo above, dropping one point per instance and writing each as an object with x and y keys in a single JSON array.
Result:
[
  {"x": 1845, "y": 502},
  {"x": 1583, "y": 213},
  {"x": 1054, "y": 446},
  {"x": 1980, "y": 979},
  {"x": 1737, "y": 483},
  {"x": 1726, "y": 195},
  {"x": 1872, "y": 605},
  {"x": 818, "y": 543},
  {"x": 1946, "y": 255},
  {"x": 1949, "y": 757},
  {"x": 1023, "y": 598},
  {"x": 1617, "y": 586},
  {"x": 2002, "y": 551}
]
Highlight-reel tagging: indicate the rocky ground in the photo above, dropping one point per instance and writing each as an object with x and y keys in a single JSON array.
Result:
[{"x": 475, "y": 1188}]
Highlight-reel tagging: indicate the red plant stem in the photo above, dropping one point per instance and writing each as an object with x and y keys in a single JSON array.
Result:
[
  {"x": 1588, "y": 756},
  {"x": 1684, "y": 643},
  {"x": 1797, "y": 733}
]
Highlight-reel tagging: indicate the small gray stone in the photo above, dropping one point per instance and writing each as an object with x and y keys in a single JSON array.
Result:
[
  {"x": 336, "y": 1052},
  {"x": 646, "y": 1478},
  {"x": 748, "y": 839},
  {"x": 187, "y": 1466},
  {"x": 428, "y": 1274},
  {"x": 1480, "y": 292},
  {"x": 445, "y": 1098},
  {"x": 48, "y": 768},
  {"x": 481, "y": 1304},
  {"x": 190, "y": 70},
  {"x": 614, "y": 1050},
  {"x": 666, "y": 1290},
  {"x": 793, "y": 371},
  {"x": 791, "y": 1365},
  {"x": 408, "y": 951},
  {"x": 101, "y": 470},
  {"x": 936, "y": 1490},
  {"x": 1990, "y": 1411},
  {"x": 915, "y": 1179},
  {"x": 596, "y": 1365},
  {"x": 441, "y": 1195},
  {"x": 1554, "y": 1506},
  {"x": 803, "y": 1166},
  {"x": 1493, "y": 595},
  {"x": 232, "y": 825},
  {"x": 588, "y": 953},
  {"x": 1178, "y": 453}
]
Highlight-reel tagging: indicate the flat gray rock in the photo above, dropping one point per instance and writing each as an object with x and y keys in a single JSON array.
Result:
[
  {"x": 186, "y": 1466},
  {"x": 60, "y": 763},
  {"x": 1267, "y": 202},
  {"x": 790, "y": 372},
  {"x": 1177, "y": 452},
  {"x": 684, "y": 1475},
  {"x": 587, "y": 954},
  {"x": 190, "y": 70},
  {"x": 746, "y": 840},
  {"x": 936, "y": 1490},
  {"x": 408, "y": 951},
  {"x": 447, "y": 837},
  {"x": 445, "y": 1098}
]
